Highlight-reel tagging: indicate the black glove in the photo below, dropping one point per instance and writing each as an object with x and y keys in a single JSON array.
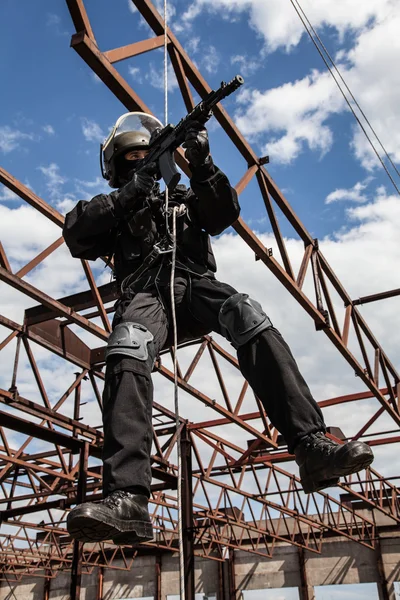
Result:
[
  {"x": 139, "y": 186},
  {"x": 196, "y": 144}
]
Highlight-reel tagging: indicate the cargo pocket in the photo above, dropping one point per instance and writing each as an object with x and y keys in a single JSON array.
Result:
[{"x": 121, "y": 305}]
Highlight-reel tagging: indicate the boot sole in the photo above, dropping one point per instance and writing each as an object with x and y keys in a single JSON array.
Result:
[
  {"x": 88, "y": 528},
  {"x": 312, "y": 483},
  {"x": 140, "y": 535}
]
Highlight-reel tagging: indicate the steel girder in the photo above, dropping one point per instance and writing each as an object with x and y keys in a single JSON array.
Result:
[{"x": 241, "y": 498}]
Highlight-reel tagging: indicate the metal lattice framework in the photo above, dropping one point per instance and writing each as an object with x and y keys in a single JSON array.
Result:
[{"x": 235, "y": 496}]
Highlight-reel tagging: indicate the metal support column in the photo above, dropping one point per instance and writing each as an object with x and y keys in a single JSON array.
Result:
[
  {"x": 383, "y": 584},
  {"x": 46, "y": 587},
  {"x": 221, "y": 581},
  {"x": 158, "y": 565},
  {"x": 76, "y": 568},
  {"x": 304, "y": 589},
  {"x": 100, "y": 583},
  {"x": 231, "y": 575},
  {"x": 187, "y": 513}
]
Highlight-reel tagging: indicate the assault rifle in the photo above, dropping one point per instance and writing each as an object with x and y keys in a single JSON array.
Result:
[{"x": 165, "y": 141}]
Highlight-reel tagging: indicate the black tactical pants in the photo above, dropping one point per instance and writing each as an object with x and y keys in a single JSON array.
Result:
[{"x": 265, "y": 361}]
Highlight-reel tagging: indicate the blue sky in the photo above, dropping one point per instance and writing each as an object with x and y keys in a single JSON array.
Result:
[{"x": 54, "y": 111}]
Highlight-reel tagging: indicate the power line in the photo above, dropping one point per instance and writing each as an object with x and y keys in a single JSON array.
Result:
[{"x": 310, "y": 30}]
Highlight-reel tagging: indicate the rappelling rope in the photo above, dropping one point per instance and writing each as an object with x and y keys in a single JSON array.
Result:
[
  {"x": 166, "y": 97},
  {"x": 176, "y": 211}
]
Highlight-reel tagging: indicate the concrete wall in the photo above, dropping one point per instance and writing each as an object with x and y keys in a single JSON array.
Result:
[
  {"x": 29, "y": 588},
  {"x": 341, "y": 562},
  {"x": 205, "y": 576},
  {"x": 89, "y": 585},
  {"x": 59, "y": 587},
  {"x": 390, "y": 548},
  {"x": 254, "y": 572},
  {"x": 136, "y": 583}
]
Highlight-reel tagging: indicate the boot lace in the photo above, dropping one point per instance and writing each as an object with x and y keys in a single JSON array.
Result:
[
  {"x": 114, "y": 500},
  {"x": 319, "y": 441}
]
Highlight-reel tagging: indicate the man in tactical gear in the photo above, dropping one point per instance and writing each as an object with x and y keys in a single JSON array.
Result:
[{"x": 127, "y": 224}]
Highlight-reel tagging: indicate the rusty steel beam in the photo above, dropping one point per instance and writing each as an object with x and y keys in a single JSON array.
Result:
[
  {"x": 40, "y": 257},
  {"x": 3, "y": 259},
  {"x": 375, "y": 297},
  {"x": 47, "y": 413},
  {"x": 103, "y": 68},
  {"x": 217, "y": 407},
  {"x": 118, "y": 54},
  {"x": 59, "y": 309},
  {"x": 54, "y": 337},
  {"x": 155, "y": 21},
  {"x": 79, "y": 17},
  {"x": 43, "y": 433},
  {"x": 96, "y": 295},
  {"x": 216, "y": 524},
  {"x": 26, "y": 194},
  {"x": 79, "y": 301},
  {"x": 187, "y": 514}
]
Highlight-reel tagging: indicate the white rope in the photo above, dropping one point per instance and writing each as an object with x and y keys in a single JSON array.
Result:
[
  {"x": 166, "y": 95},
  {"x": 176, "y": 211}
]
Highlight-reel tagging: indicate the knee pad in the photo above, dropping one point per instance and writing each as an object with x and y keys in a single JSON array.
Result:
[
  {"x": 133, "y": 340},
  {"x": 241, "y": 319}
]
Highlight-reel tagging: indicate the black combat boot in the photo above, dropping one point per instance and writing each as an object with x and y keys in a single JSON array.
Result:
[
  {"x": 322, "y": 461},
  {"x": 122, "y": 517}
]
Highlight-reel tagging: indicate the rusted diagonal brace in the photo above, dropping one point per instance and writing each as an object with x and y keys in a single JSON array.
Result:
[{"x": 59, "y": 309}]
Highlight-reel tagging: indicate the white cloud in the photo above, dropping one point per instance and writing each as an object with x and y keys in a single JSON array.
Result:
[
  {"x": 369, "y": 68},
  {"x": 54, "y": 180},
  {"x": 346, "y": 251},
  {"x": 171, "y": 10},
  {"x": 92, "y": 130},
  {"x": 155, "y": 77},
  {"x": 87, "y": 189},
  {"x": 375, "y": 81},
  {"x": 48, "y": 129},
  {"x": 95, "y": 77},
  {"x": 66, "y": 204},
  {"x": 25, "y": 232},
  {"x": 278, "y": 24},
  {"x": 135, "y": 73},
  {"x": 247, "y": 66},
  {"x": 132, "y": 7},
  {"x": 10, "y": 138},
  {"x": 65, "y": 200},
  {"x": 294, "y": 113},
  {"x": 90, "y": 184},
  {"x": 6, "y": 194},
  {"x": 52, "y": 19},
  {"x": 193, "y": 44},
  {"x": 211, "y": 59},
  {"x": 354, "y": 194}
]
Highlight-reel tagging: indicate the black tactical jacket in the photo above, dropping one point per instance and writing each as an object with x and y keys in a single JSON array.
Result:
[{"x": 97, "y": 228}]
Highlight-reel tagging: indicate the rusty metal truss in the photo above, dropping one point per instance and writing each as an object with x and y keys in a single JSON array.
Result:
[{"x": 236, "y": 493}]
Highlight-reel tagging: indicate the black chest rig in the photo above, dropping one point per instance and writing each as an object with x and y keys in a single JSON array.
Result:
[{"x": 142, "y": 238}]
